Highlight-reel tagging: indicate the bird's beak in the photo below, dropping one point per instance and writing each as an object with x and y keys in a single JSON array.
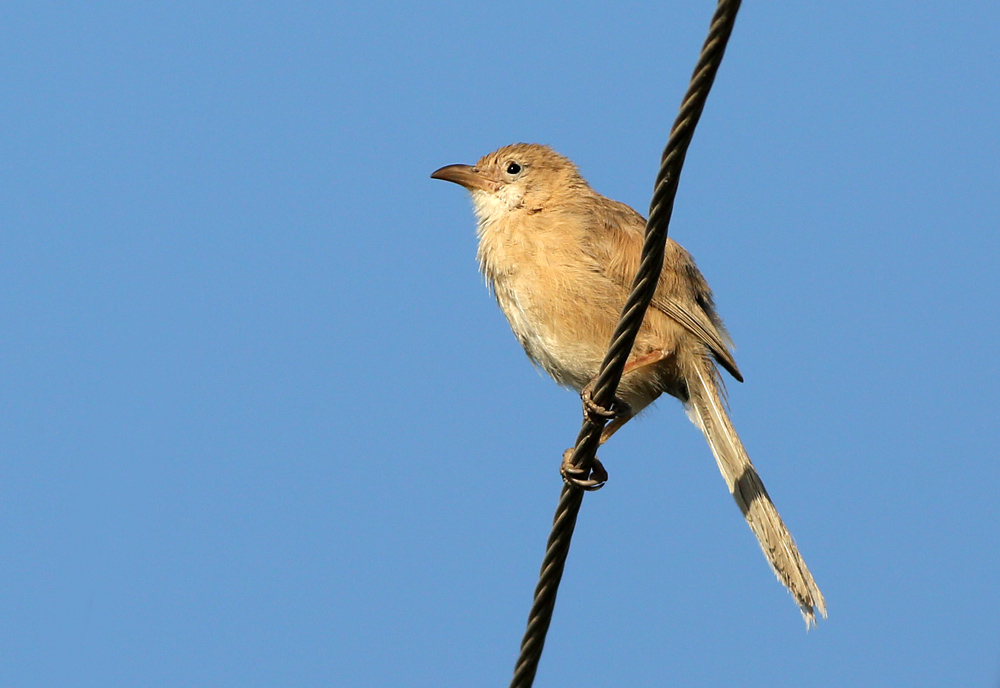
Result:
[{"x": 466, "y": 175}]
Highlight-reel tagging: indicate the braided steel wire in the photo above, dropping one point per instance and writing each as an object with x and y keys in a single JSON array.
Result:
[{"x": 633, "y": 312}]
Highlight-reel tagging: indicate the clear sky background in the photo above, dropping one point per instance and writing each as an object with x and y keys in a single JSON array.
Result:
[{"x": 262, "y": 425}]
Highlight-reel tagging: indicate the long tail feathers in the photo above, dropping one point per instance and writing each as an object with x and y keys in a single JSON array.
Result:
[{"x": 709, "y": 413}]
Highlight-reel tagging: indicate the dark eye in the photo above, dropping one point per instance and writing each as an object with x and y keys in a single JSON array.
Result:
[{"x": 513, "y": 168}]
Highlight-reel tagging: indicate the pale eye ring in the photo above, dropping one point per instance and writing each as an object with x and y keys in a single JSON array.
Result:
[{"x": 513, "y": 168}]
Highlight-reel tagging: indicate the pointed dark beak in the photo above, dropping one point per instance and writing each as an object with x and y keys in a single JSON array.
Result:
[{"x": 465, "y": 175}]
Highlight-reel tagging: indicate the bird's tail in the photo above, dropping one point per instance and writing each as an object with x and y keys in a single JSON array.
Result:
[{"x": 707, "y": 410}]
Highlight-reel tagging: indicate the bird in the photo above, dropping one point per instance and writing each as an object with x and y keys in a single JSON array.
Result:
[{"x": 560, "y": 258}]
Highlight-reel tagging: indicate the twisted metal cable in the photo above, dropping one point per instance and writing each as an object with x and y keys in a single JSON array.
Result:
[{"x": 633, "y": 312}]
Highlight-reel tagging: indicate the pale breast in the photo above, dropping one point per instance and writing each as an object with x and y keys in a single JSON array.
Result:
[{"x": 541, "y": 283}]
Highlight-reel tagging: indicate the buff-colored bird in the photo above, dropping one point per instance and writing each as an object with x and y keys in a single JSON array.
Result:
[{"x": 560, "y": 259}]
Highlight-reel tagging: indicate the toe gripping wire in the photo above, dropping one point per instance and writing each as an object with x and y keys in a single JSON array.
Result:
[{"x": 606, "y": 383}]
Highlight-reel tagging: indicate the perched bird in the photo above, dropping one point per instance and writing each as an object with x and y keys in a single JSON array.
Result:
[{"x": 560, "y": 259}]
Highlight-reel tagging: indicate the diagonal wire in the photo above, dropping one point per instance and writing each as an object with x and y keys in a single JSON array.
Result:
[{"x": 643, "y": 287}]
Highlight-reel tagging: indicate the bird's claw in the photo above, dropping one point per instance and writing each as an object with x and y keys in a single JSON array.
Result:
[
  {"x": 591, "y": 480},
  {"x": 599, "y": 414}
]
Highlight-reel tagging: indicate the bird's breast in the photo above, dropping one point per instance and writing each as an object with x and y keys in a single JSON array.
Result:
[{"x": 539, "y": 277}]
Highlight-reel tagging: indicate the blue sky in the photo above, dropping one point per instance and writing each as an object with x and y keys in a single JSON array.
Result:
[{"x": 262, "y": 425}]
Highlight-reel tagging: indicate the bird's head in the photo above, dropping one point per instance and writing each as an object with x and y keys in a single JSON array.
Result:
[{"x": 523, "y": 176}]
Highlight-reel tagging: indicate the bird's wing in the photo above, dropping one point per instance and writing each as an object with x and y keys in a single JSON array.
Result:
[
  {"x": 699, "y": 324},
  {"x": 681, "y": 292}
]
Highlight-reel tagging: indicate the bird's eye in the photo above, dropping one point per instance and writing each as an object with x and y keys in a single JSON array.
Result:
[{"x": 513, "y": 168}]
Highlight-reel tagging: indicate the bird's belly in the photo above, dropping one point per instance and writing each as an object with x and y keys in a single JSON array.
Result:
[{"x": 556, "y": 333}]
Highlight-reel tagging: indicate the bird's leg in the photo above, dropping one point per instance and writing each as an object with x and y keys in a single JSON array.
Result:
[
  {"x": 626, "y": 414},
  {"x": 619, "y": 414},
  {"x": 620, "y": 411},
  {"x": 614, "y": 426},
  {"x": 644, "y": 360}
]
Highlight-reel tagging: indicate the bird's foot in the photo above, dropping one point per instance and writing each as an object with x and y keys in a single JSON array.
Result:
[
  {"x": 598, "y": 414},
  {"x": 591, "y": 480}
]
